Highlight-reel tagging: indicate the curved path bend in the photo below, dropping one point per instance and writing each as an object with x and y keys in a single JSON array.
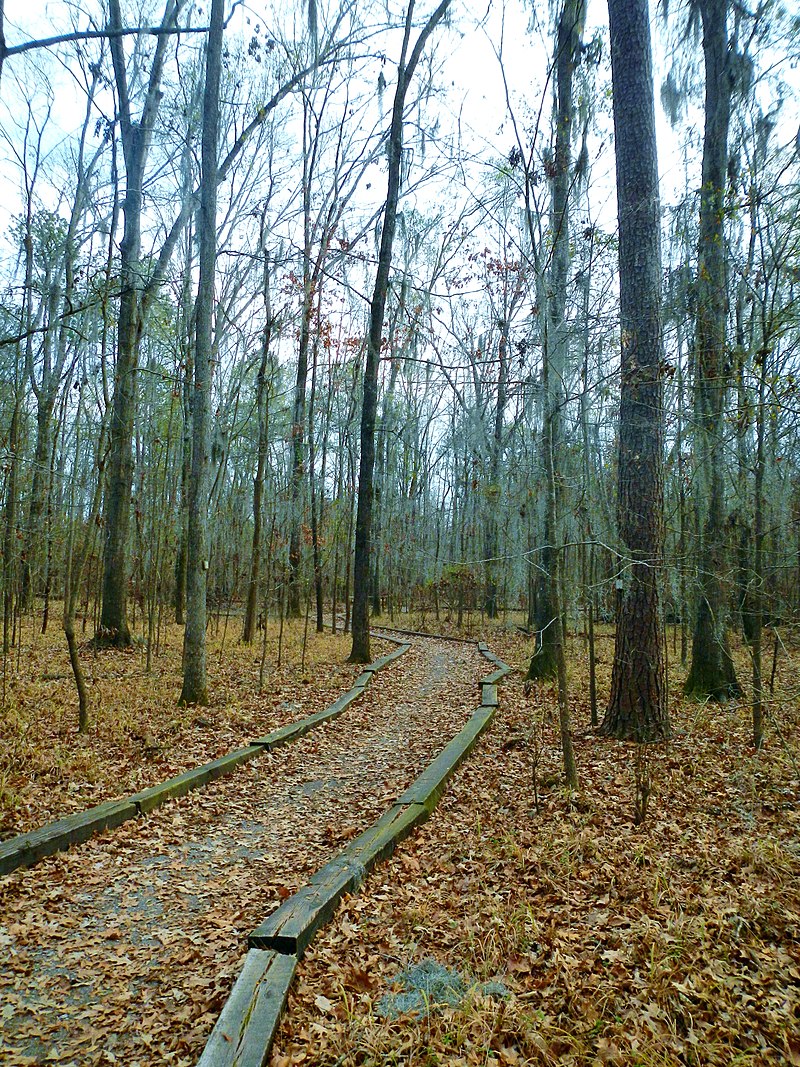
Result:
[{"x": 124, "y": 949}]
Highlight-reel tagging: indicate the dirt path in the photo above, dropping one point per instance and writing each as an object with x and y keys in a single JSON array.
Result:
[{"x": 123, "y": 950}]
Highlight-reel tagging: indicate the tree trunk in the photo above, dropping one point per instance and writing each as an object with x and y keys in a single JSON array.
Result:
[
  {"x": 195, "y": 689},
  {"x": 712, "y": 674},
  {"x": 491, "y": 538},
  {"x": 136, "y": 139},
  {"x": 262, "y": 414},
  {"x": 360, "y": 652},
  {"x": 187, "y": 343},
  {"x": 637, "y": 709},
  {"x": 549, "y": 640},
  {"x": 75, "y": 564},
  {"x": 9, "y": 537}
]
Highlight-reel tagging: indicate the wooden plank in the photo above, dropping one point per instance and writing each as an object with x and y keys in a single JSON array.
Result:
[
  {"x": 294, "y": 730},
  {"x": 148, "y": 799},
  {"x": 398, "y": 652},
  {"x": 489, "y": 695},
  {"x": 390, "y": 657},
  {"x": 380, "y": 840},
  {"x": 27, "y": 849},
  {"x": 363, "y": 679},
  {"x": 384, "y": 632},
  {"x": 291, "y": 927},
  {"x": 282, "y": 736},
  {"x": 344, "y": 701},
  {"x": 429, "y": 786},
  {"x": 380, "y": 637},
  {"x": 245, "y": 1029},
  {"x": 495, "y": 676}
]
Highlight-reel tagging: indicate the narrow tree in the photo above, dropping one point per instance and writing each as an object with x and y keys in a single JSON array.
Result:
[
  {"x": 637, "y": 709},
  {"x": 712, "y": 673},
  {"x": 548, "y": 658},
  {"x": 137, "y": 136},
  {"x": 263, "y": 385},
  {"x": 363, "y": 535},
  {"x": 195, "y": 690}
]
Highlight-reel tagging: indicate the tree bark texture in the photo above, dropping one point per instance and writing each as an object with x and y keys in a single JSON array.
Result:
[
  {"x": 262, "y": 414},
  {"x": 712, "y": 674},
  {"x": 136, "y": 139},
  {"x": 195, "y": 689},
  {"x": 491, "y": 539},
  {"x": 637, "y": 708},
  {"x": 549, "y": 640}
]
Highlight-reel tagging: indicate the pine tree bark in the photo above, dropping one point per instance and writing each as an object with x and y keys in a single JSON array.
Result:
[{"x": 637, "y": 708}]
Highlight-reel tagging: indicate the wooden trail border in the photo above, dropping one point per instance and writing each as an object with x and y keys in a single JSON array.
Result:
[
  {"x": 246, "y": 1027},
  {"x": 27, "y": 849},
  {"x": 432, "y": 637}
]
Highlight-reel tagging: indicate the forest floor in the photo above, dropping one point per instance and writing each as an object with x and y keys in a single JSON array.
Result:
[
  {"x": 675, "y": 941},
  {"x": 138, "y": 735}
]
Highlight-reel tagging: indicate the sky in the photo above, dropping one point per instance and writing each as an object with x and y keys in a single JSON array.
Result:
[{"x": 474, "y": 98}]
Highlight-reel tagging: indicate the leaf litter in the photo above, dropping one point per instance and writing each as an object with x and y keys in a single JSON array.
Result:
[
  {"x": 672, "y": 942},
  {"x": 676, "y": 941},
  {"x": 125, "y": 948},
  {"x": 138, "y": 735}
]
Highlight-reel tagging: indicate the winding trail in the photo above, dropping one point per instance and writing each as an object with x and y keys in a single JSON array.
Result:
[{"x": 124, "y": 949}]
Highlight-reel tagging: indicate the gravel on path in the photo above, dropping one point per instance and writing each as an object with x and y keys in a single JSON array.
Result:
[{"x": 124, "y": 949}]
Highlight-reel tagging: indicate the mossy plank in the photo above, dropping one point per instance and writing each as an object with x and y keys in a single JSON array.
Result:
[
  {"x": 295, "y": 730},
  {"x": 495, "y": 676},
  {"x": 282, "y": 736},
  {"x": 429, "y": 786},
  {"x": 291, "y": 927},
  {"x": 398, "y": 652},
  {"x": 148, "y": 799},
  {"x": 380, "y": 840},
  {"x": 363, "y": 679},
  {"x": 27, "y": 849},
  {"x": 390, "y": 657},
  {"x": 489, "y": 695},
  {"x": 245, "y": 1029},
  {"x": 420, "y": 633},
  {"x": 383, "y": 636},
  {"x": 343, "y": 702}
]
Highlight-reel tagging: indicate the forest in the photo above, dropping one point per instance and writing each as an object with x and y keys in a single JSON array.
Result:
[{"x": 326, "y": 320}]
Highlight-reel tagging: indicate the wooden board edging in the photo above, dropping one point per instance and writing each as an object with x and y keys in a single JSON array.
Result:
[
  {"x": 148, "y": 799},
  {"x": 26, "y": 849},
  {"x": 289, "y": 930},
  {"x": 496, "y": 676},
  {"x": 429, "y": 787},
  {"x": 489, "y": 697},
  {"x": 244, "y": 1032},
  {"x": 421, "y": 633}
]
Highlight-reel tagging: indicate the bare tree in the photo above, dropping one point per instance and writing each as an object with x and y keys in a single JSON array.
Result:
[
  {"x": 195, "y": 687},
  {"x": 360, "y": 652},
  {"x": 712, "y": 672},
  {"x": 135, "y": 292},
  {"x": 637, "y": 708}
]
